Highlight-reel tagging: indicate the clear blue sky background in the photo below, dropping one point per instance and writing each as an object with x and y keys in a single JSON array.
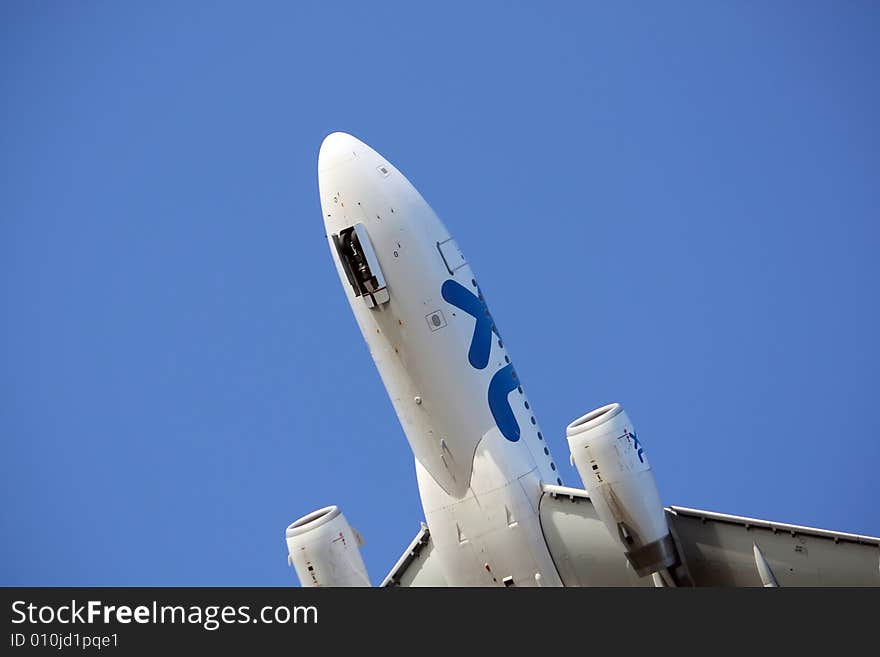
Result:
[{"x": 671, "y": 205}]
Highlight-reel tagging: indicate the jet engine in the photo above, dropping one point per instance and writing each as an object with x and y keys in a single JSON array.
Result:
[
  {"x": 325, "y": 550},
  {"x": 615, "y": 471}
]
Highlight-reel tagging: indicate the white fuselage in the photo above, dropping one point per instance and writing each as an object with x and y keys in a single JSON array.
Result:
[{"x": 480, "y": 456}]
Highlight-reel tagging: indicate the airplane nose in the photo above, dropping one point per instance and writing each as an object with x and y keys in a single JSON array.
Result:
[{"x": 338, "y": 147}]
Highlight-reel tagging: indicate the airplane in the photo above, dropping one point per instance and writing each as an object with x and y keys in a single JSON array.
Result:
[{"x": 496, "y": 510}]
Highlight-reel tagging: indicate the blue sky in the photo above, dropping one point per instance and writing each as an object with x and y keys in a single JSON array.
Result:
[{"x": 671, "y": 205}]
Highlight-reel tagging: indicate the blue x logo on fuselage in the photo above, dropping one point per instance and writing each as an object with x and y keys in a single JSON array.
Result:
[
  {"x": 504, "y": 381},
  {"x": 481, "y": 343}
]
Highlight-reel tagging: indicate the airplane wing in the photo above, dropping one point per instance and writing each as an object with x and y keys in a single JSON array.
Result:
[
  {"x": 717, "y": 550},
  {"x": 415, "y": 566},
  {"x": 725, "y": 550}
]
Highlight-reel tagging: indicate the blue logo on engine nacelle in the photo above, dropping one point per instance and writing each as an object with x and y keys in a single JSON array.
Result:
[
  {"x": 504, "y": 381},
  {"x": 636, "y": 444}
]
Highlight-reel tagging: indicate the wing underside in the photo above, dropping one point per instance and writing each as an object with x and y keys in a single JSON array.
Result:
[
  {"x": 717, "y": 550},
  {"x": 726, "y": 550},
  {"x": 416, "y": 567}
]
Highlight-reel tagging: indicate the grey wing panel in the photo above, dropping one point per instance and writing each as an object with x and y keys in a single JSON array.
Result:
[
  {"x": 719, "y": 550},
  {"x": 416, "y": 567},
  {"x": 582, "y": 549}
]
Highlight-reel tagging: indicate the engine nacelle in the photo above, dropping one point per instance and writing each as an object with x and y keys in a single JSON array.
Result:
[
  {"x": 616, "y": 474},
  {"x": 325, "y": 551}
]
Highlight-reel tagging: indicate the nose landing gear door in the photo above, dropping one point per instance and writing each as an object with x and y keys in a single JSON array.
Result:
[{"x": 361, "y": 265}]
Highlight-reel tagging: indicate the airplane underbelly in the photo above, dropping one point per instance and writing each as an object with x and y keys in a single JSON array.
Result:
[{"x": 491, "y": 536}]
